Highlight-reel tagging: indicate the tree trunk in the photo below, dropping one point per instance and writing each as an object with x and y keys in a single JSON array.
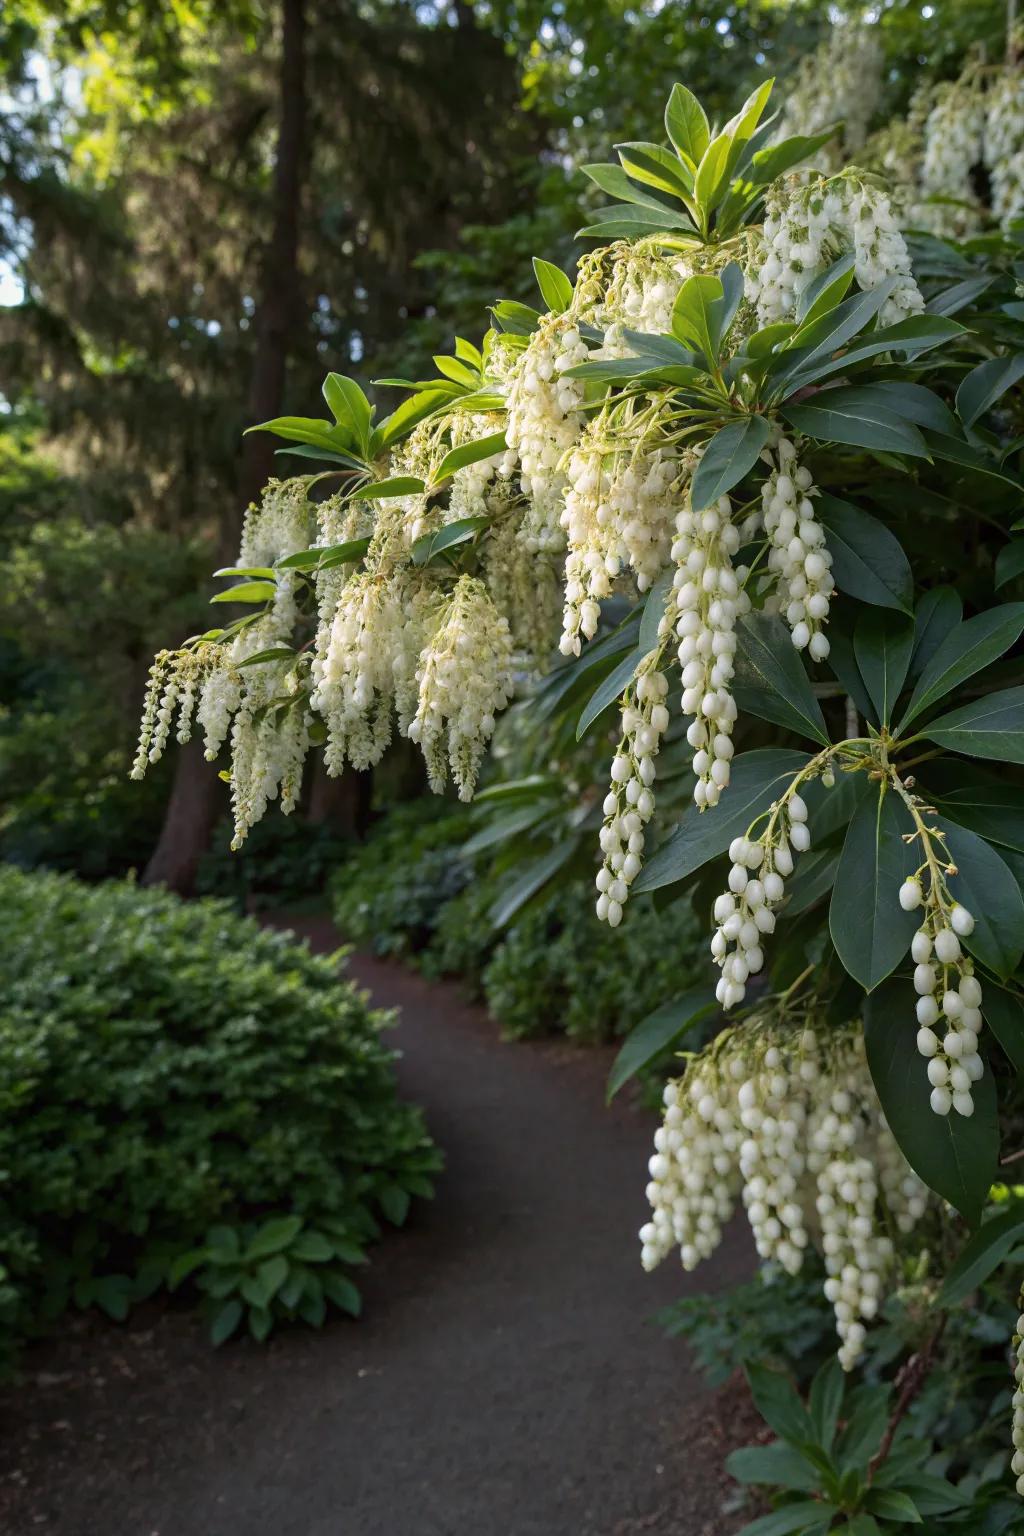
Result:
[
  {"x": 195, "y": 797},
  {"x": 344, "y": 803}
]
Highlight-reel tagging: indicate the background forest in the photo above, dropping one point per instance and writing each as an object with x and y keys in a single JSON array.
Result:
[{"x": 206, "y": 207}]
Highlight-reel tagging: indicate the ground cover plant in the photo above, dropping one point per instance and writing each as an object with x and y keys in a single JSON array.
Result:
[
  {"x": 779, "y": 419},
  {"x": 188, "y": 1103}
]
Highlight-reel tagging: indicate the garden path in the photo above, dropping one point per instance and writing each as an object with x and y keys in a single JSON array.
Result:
[{"x": 506, "y": 1378}]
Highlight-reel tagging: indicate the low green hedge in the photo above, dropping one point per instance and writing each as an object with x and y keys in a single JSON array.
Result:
[{"x": 185, "y": 1098}]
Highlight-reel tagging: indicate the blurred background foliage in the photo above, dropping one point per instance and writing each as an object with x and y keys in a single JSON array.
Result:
[{"x": 206, "y": 206}]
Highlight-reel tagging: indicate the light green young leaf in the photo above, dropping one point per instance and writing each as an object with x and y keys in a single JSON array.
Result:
[
  {"x": 554, "y": 284},
  {"x": 686, "y": 124}
]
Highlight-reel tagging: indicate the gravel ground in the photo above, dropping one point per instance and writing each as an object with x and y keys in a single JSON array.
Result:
[{"x": 506, "y": 1378}]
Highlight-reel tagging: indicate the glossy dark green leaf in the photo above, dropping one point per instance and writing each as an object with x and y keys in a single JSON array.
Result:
[
  {"x": 827, "y": 290},
  {"x": 780, "y": 1465},
  {"x": 609, "y": 690},
  {"x": 731, "y": 454},
  {"x": 982, "y": 1254},
  {"x": 825, "y": 1401},
  {"x": 532, "y": 879},
  {"x": 857, "y": 416},
  {"x": 225, "y": 1321},
  {"x": 989, "y": 806},
  {"x": 867, "y": 560},
  {"x": 991, "y": 727},
  {"x": 654, "y": 611},
  {"x": 986, "y": 384},
  {"x": 771, "y": 681},
  {"x": 1004, "y": 1015},
  {"x": 956, "y": 1156},
  {"x": 936, "y": 615},
  {"x": 554, "y": 284},
  {"x": 658, "y": 1032},
  {"x": 869, "y": 928},
  {"x": 986, "y": 887},
  {"x": 954, "y": 450},
  {"x": 952, "y": 300},
  {"x": 969, "y": 648},
  {"x": 806, "y": 1518},
  {"x": 452, "y": 534},
  {"x": 882, "y": 643},
  {"x": 778, "y": 1403},
  {"x": 758, "y": 778},
  {"x": 1009, "y": 562}
]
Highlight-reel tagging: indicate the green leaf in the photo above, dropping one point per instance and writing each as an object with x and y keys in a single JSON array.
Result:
[
  {"x": 893, "y": 1505},
  {"x": 520, "y": 819},
  {"x": 382, "y": 490},
  {"x": 991, "y": 727},
  {"x": 697, "y": 315},
  {"x": 776, "y": 159},
  {"x": 654, "y": 611},
  {"x": 825, "y": 1401},
  {"x": 987, "y": 888},
  {"x": 263, "y": 572},
  {"x": 530, "y": 881},
  {"x": 343, "y": 1293},
  {"x": 982, "y": 1254},
  {"x": 609, "y": 690},
  {"x": 730, "y": 454},
  {"x": 555, "y": 286},
  {"x": 955, "y": 451},
  {"x": 431, "y": 544},
  {"x": 815, "y": 341},
  {"x": 956, "y": 1157},
  {"x": 409, "y": 414},
  {"x": 778, "y": 1403},
  {"x": 966, "y": 650},
  {"x": 225, "y": 1322},
  {"x": 260, "y": 1322},
  {"x": 469, "y": 453},
  {"x": 976, "y": 799},
  {"x": 882, "y": 644},
  {"x": 985, "y": 384},
  {"x": 712, "y": 175},
  {"x": 686, "y": 124},
  {"x": 779, "y": 1464},
  {"x": 304, "y": 429},
  {"x": 911, "y": 337},
  {"x": 654, "y": 166},
  {"x": 938, "y": 612},
  {"x": 867, "y": 560},
  {"x": 394, "y": 1202},
  {"x": 312, "y": 1248},
  {"x": 954, "y": 299},
  {"x": 349, "y": 407},
  {"x": 274, "y": 1235},
  {"x": 757, "y": 780},
  {"x": 857, "y": 416},
  {"x": 806, "y": 1516},
  {"x": 247, "y": 592},
  {"x": 622, "y": 221},
  {"x": 869, "y": 928},
  {"x": 1004, "y": 1014},
  {"x": 272, "y": 653},
  {"x": 658, "y": 1032},
  {"x": 348, "y": 553},
  {"x": 771, "y": 681},
  {"x": 1009, "y": 562},
  {"x": 828, "y": 289},
  {"x": 613, "y": 180}
]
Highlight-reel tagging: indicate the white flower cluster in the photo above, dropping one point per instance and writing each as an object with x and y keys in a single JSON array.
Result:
[
  {"x": 948, "y": 995},
  {"x": 840, "y": 82},
  {"x": 544, "y": 422},
  {"x": 798, "y": 556},
  {"x": 641, "y": 292},
  {"x": 1004, "y": 145},
  {"x": 707, "y": 599},
  {"x": 629, "y": 803},
  {"x": 623, "y": 486},
  {"x": 953, "y": 145},
  {"x": 782, "y": 1111},
  {"x": 745, "y": 912},
  {"x": 809, "y": 227},
  {"x": 1017, "y": 1463},
  {"x": 465, "y": 679}
]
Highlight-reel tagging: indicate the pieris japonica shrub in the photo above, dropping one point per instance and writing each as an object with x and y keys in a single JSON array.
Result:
[
  {"x": 173, "y": 1078},
  {"x": 752, "y": 417}
]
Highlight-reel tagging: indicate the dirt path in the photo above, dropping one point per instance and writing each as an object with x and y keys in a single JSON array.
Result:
[{"x": 505, "y": 1380}]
